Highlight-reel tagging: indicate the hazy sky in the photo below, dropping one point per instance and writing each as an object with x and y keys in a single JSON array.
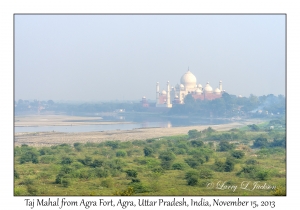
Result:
[{"x": 109, "y": 57}]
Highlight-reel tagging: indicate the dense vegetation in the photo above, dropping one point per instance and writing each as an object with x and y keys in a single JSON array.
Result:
[
  {"x": 232, "y": 106},
  {"x": 226, "y": 106},
  {"x": 176, "y": 165}
]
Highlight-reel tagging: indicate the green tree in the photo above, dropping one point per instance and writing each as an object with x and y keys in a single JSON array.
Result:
[
  {"x": 167, "y": 158},
  {"x": 131, "y": 173},
  {"x": 225, "y": 146},
  {"x": 167, "y": 155},
  {"x": 253, "y": 127},
  {"x": 193, "y": 134},
  {"x": 229, "y": 165},
  {"x": 121, "y": 153},
  {"x": 237, "y": 154},
  {"x": 197, "y": 143},
  {"x": 260, "y": 142},
  {"x": 148, "y": 151}
]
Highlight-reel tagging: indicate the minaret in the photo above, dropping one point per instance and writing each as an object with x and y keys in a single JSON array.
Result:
[
  {"x": 220, "y": 85},
  {"x": 168, "y": 94},
  {"x": 157, "y": 93}
]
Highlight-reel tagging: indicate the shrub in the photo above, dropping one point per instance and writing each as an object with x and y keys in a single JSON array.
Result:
[
  {"x": 121, "y": 153},
  {"x": 129, "y": 153},
  {"x": 208, "y": 131},
  {"x": 66, "y": 182},
  {"x": 211, "y": 144},
  {"x": 32, "y": 190},
  {"x": 66, "y": 169},
  {"x": 31, "y": 155},
  {"x": 278, "y": 143},
  {"x": 131, "y": 173},
  {"x": 101, "y": 172},
  {"x": 182, "y": 145},
  {"x": 78, "y": 146},
  {"x": 148, "y": 161},
  {"x": 226, "y": 136},
  {"x": 262, "y": 175},
  {"x": 108, "y": 183},
  {"x": 206, "y": 174},
  {"x": 85, "y": 174},
  {"x": 260, "y": 142},
  {"x": 139, "y": 187},
  {"x": 179, "y": 151},
  {"x": 45, "y": 151},
  {"x": 77, "y": 165},
  {"x": 66, "y": 160},
  {"x": 135, "y": 180},
  {"x": 167, "y": 156},
  {"x": 46, "y": 159},
  {"x": 251, "y": 162},
  {"x": 166, "y": 164},
  {"x": 177, "y": 166},
  {"x": 197, "y": 143},
  {"x": 229, "y": 165},
  {"x": 116, "y": 164},
  {"x": 148, "y": 151},
  {"x": 27, "y": 181},
  {"x": 191, "y": 173},
  {"x": 219, "y": 166},
  {"x": 237, "y": 154},
  {"x": 225, "y": 146},
  {"x": 207, "y": 158},
  {"x": 194, "y": 134},
  {"x": 226, "y": 166},
  {"x": 87, "y": 161},
  {"x": 247, "y": 171},
  {"x": 138, "y": 143},
  {"x": 125, "y": 145},
  {"x": 112, "y": 144},
  {"x": 59, "y": 178},
  {"x": 158, "y": 169},
  {"x": 150, "y": 140},
  {"x": 253, "y": 127},
  {"x": 192, "y": 162},
  {"x": 192, "y": 181},
  {"x": 97, "y": 163}
]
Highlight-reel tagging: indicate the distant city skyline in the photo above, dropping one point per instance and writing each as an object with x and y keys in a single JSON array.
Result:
[{"x": 121, "y": 57}]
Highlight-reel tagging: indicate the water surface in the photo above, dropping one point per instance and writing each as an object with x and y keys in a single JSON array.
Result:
[{"x": 138, "y": 123}]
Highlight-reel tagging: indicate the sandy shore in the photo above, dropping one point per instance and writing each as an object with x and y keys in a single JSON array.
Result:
[{"x": 54, "y": 138}]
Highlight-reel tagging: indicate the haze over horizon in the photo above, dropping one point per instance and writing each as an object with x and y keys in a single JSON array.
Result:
[{"x": 121, "y": 57}]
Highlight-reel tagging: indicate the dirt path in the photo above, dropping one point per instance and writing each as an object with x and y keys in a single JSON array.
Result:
[{"x": 53, "y": 138}]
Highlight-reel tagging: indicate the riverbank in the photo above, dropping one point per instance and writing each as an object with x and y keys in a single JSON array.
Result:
[
  {"x": 39, "y": 139},
  {"x": 61, "y": 120}
]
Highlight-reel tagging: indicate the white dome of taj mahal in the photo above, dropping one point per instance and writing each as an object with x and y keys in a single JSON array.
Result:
[
  {"x": 208, "y": 88},
  {"x": 164, "y": 92},
  {"x": 188, "y": 80},
  {"x": 198, "y": 91},
  {"x": 217, "y": 91}
]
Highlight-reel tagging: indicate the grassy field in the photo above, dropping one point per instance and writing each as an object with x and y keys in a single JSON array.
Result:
[{"x": 244, "y": 161}]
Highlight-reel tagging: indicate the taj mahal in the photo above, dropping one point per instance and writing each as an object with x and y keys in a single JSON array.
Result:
[{"x": 188, "y": 85}]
